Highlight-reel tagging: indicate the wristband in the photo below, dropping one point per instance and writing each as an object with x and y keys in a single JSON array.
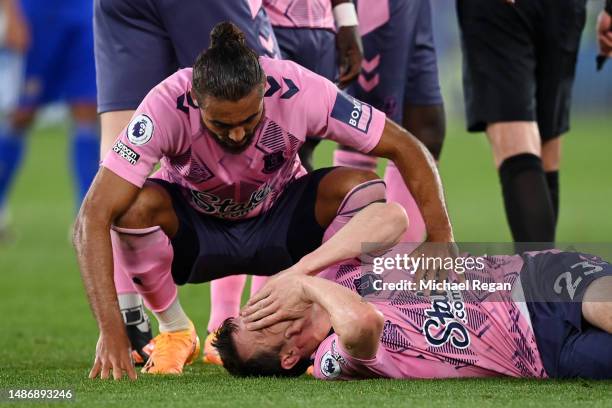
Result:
[{"x": 345, "y": 15}]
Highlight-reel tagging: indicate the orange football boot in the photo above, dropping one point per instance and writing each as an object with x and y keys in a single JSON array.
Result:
[{"x": 172, "y": 351}]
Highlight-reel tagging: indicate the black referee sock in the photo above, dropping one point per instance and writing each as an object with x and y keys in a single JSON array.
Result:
[
  {"x": 529, "y": 209},
  {"x": 552, "y": 179}
]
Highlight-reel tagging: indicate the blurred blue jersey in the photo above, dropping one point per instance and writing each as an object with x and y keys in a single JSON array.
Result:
[
  {"x": 60, "y": 61},
  {"x": 75, "y": 8}
]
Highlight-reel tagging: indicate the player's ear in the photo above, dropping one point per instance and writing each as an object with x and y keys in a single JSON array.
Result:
[{"x": 289, "y": 358}]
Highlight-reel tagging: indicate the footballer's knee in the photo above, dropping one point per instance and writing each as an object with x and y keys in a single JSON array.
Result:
[
  {"x": 340, "y": 181},
  {"x": 510, "y": 139},
  {"x": 597, "y": 303},
  {"x": 336, "y": 186},
  {"x": 152, "y": 207},
  {"x": 551, "y": 154},
  {"x": 428, "y": 124},
  {"x": 395, "y": 215},
  {"x": 598, "y": 314}
]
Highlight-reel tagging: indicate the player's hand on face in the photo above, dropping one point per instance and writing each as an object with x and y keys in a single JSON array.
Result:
[
  {"x": 281, "y": 298},
  {"x": 604, "y": 34},
  {"x": 112, "y": 358},
  {"x": 350, "y": 53},
  {"x": 440, "y": 251}
]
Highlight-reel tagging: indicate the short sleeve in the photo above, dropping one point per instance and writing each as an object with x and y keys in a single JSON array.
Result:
[
  {"x": 153, "y": 132},
  {"x": 332, "y": 362},
  {"x": 337, "y": 116}
]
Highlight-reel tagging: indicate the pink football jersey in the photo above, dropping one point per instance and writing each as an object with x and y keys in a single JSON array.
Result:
[
  {"x": 167, "y": 128},
  {"x": 471, "y": 333},
  {"x": 300, "y": 13}
]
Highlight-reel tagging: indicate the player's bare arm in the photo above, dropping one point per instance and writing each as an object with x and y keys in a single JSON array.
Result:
[
  {"x": 419, "y": 171},
  {"x": 348, "y": 41},
  {"x": 381, "y": 224},
  {"x": 109, "y": 197},
  {"x": 357, "y": 323}
]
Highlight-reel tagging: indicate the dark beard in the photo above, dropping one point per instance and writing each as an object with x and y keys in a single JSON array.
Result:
[{"x": 230, "y": 147}]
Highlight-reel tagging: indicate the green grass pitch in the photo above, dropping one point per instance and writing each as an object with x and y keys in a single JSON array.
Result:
[{"x": 48, "y": 335}]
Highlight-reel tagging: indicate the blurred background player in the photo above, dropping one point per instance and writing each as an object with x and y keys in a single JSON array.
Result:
[
  {"x": 59, "y": 66},
  {"x": 519, "y": 62},
  {"x": 306, "y": 33},
  {"x": 400, "y": 77},
  {"x": 14, "y": 41},
  {"x": 138, "y": 43},
  {"x": 322, "y": 36}
]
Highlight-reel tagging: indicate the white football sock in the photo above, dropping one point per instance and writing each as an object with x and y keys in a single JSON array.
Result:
[
  {"x": 173, "y": 318},
  {"x": 129, "y": 300}
]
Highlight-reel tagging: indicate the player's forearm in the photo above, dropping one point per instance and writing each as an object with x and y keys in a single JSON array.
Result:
[
  {"x": 347, "y": 310},
  {"x": 94, "y": 254},
  {"x": 420, "y": 173},
  {"x": 380, "y": 225},
  {"x": 357, "y": 323}
]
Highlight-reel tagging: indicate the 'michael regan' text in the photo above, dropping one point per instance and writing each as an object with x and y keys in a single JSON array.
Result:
[{"x": 473, "y": 284}]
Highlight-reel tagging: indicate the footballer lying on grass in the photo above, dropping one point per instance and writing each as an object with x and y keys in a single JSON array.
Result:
[{"x": 561, "y": 331}]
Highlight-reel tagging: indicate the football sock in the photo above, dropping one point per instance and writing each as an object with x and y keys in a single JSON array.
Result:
[
  {"x": 85, "y": 155},
  {"x": 350, "y": 158},
  {"x": 552, "y": 179},
  {"x": 359, "y": 197},
  {"x": 145, "y": 256},
  {"x": 225, "y": 297},
  {"x": 172, "y": 318},
  {"x": 529, "y": 209},
  {"x": 399, "y": 193},
  {"x": 257, "y": 283},
  {"x": 123, "y": 284},
  {"x": 12, "y": 144}
]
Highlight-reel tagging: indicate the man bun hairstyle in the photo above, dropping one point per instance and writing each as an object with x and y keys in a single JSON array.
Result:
[
  {"x": 228, "y": 69},
  {"x": 226, "y": 34}
]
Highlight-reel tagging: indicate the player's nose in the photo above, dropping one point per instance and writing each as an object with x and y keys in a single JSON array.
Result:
[{"x": 237, "y": 134}]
